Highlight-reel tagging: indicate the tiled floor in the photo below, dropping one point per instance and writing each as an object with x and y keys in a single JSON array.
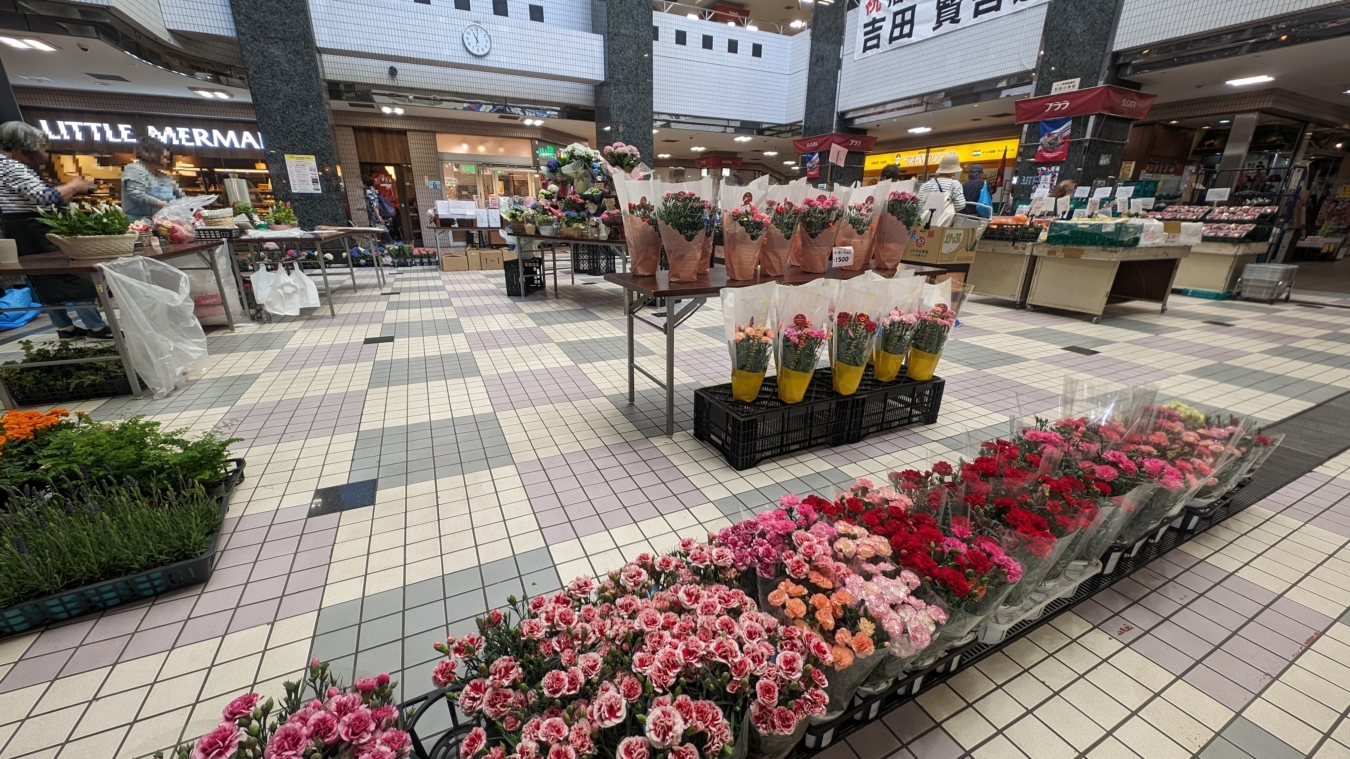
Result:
[{"x": 506, "y": 458}]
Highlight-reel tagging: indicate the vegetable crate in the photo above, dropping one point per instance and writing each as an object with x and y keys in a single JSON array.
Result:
[
  {"x": 595, "y": 260},
  {"x": 69, "y": 604},
  {"x": 534, "y": 276},
  {"x": 748, "y": 433}
]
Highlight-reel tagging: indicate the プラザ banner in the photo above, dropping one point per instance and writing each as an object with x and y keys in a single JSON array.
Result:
[{"x": 887, "y": 24}]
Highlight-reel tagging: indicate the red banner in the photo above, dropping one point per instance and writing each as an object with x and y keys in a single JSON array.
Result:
[
  {"x": 1116, "y": 101},
  {"x": 860, "y": 143},
  {"x": 717, "y": 162}
]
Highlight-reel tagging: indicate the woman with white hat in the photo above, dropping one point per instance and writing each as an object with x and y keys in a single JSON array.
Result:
[{"x": 945, "y": 181}]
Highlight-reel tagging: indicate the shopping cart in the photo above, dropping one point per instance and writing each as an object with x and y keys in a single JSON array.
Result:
[{"x": 1266, "y": 281}]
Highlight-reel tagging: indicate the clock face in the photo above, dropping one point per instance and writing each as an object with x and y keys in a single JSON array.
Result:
[{"x": 476, "y": 40}]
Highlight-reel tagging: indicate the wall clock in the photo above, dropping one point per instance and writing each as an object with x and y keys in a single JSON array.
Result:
[{"x": 477, "y": 40}]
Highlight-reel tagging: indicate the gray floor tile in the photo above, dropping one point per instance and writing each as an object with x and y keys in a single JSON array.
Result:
[
  {"x": 1255, "y": 740},
  {"x": 386, "y": 658},
  {"x": 422, "y": 618},
  {"x": 338, "y": 616},
  {"x": 377, "y": 632},
  {"x": 382, "y": 604},
  {"x": 334, "y": 644}
]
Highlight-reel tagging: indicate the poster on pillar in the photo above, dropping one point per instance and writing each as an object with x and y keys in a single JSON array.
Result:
[
  {"x": 1054, "y": 143},
  {"x": 888, "y": 24},
  {"x": 811, "y": 161},
  {"x": 838, "y": 154}
]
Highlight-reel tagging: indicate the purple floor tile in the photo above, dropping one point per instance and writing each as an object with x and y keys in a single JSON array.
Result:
[
  {"x": 205, "y": 627},
  {"x": 1261, "y": 659},
  {"x": 303, "y": 602},
  {"x": 1183, "y": 640},
  {"x": 167, "y": 613},
  {"x": 262, "y": 590},
  {"x": 60, "y": 638},
  {"x": 1302, "y": 614},
  {"x": 1121, "y": 629},
  {"x": 306, "y": 579},
  {"x": 112, "y": 625},
  {"x": 152, "y": 641},
  {"x": 263, "y": 613},
  {"x": 1272, "y": 641},
  {"x": 1219, "y": 688},
  {"x": 34, "y": 670},
  {"x": 1163, "y": 654},
  {"x": 1285, "y": 625},
  {"x": 94, "y": 655},
  {"x": 1240, "y": 672}
]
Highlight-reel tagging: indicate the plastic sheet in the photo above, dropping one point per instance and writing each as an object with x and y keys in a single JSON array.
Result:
[
  {"x": 863, "y": 202},
  {"x": 164, "y": 341},
  {"x": 644, "y": 241},
  {"x": 814, "y": 302},
  {"x": 852, "y": 343},
  {"x": 752, "y": 309}
]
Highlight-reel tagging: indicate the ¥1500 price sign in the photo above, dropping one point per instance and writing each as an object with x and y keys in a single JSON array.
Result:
[{"x": 887, "y": 24}]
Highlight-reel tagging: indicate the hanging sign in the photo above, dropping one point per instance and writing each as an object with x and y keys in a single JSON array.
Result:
[
  {"x": 858, "y": 142},
  {"x": 303, "y": 171},
  {"x": 838, "y": 153},
  {"x": 1054, "y": 144},
  {"x": 717, "y": 162},
  {"x": 812, "y": 163},
  {"x": 888, "y": 24},
  {"x": 1115, "y": 101}
]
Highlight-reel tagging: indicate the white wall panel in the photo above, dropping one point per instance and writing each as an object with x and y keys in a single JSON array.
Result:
[
  {"x": 479, "y": 83},
  {"x": 799, "y": 63},
  {"x": 691, "y": 81},
  {"x": 1144, "y": 22},
  {"x": 988, "y": 50},
  {"x": 199, "y": 16}
]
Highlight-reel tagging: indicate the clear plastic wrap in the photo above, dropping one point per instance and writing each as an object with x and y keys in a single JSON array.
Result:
[
  {"x": 741, "y": 248},
  {"x": 939, "y": 306},
  {"x": 855, "y": 328},
  {"x": 637, "y": 201},
  {"x": 747, "y": 317},
  {"x": 857, "y": 230},
  {"x": 816, "y": 229},
  {"x": 897, "y": 309},
  {"x": 164, "y": 340},
  {"x": 773, "y": 259},
  {"x": 804, "y": 315}
]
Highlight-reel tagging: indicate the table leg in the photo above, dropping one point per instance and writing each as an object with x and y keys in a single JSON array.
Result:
[
  {"x": 553, "y": 251},
  {"x": 101, "y": 288},
  {"x": 327, "y": 289},
  {"x": 233, "y": 256},
  {"x": 520, "y": 267},
  {"x": 347, "y": 248},
  {"x": 209, "y": 258},
  {"x": 628, "y": 312},
  {"x": 572, "y": 266},
  {"x": 671, "y": 320}
]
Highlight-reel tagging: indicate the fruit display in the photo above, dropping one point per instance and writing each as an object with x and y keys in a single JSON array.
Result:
[
  {"x": 1228, "y": 232},
  {"x": 1180, "y": 213},
  {"x": 1241, "y": 213}
]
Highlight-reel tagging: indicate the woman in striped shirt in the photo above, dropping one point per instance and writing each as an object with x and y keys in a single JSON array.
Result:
[
  {"x": 946, "y": 183},
  {"x": 22, "y": 195}
]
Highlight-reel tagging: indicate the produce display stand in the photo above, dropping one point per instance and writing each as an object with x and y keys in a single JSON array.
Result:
[
  {"x": 1002, "y": 270},
  {"x": 1212, "y": 269},
  {"x": 58, "y": 263},
  {"x": 318, "y": 238},
  {"x": 535, "y": 242},
  {"x": 1324, "y": 248},
  {"x": 639, "y": 291},
  {"x": 1087, "y": 279}
]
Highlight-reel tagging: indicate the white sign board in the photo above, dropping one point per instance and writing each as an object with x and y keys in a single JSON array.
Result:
[
  {"x": 889, "y": 24},
  {"x": 1081, "y": 192},
  {"x": 1065, "y": 85},
  {"x": 1101, "y": 192},
  {"x": 1125, "y": 193},
  {"x": 1217, "y": 194},
  {"x": 843, "y": 256},
  {"x": 303, "y": 173}
]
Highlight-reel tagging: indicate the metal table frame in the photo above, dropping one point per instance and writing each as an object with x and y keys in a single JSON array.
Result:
[
  {"x": 317, "y": 238},
  {"x": 553, "y": 242}
]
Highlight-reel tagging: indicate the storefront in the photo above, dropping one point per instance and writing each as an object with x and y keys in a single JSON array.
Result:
[
  {"x": 206, "y": 152},
  {"x": 485, "y": 169},
  {"x": 918, "y": 164}
]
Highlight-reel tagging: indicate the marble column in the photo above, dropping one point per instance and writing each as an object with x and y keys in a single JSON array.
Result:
[
  {"x": 821, "y": 115},
  {"x": 291, "y": 101},
  {"x": 624, "y": 101},
  {"x": 1077, "y": 45}
]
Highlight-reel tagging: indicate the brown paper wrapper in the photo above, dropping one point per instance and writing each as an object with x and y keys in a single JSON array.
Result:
[
  {"x": 890, "y": 238},
  {"x": 861, "y": 244},
  {"x": 682, "y": 255},
  {"x": 644, "y": 246},
  {"x": 705, "y": 258},
  {"x": 773, "y": 257},
  {"x": 739, "y": 251},
  {"x": 813, "y": 256}
]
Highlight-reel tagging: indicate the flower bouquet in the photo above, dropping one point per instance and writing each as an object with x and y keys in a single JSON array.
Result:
[
  {"x": 644, "y": 238},
  {"x": 858, "y": 228},
  {"x": 577, "y": 164},
  {"x": 747, "y": 313},
  {"x": 814, "y": 242},
  {"x": 744, "y": 226},
  {"x": 900, "y": 214},
  {"x": 623, "y": 157},
  {"x": 682, "y": 219},
  {"x": 899, "y": 321},
  {"x": 937, "y": 316},
  {"x": 803, "y": 314},
  {"x": 854, "y": 331}
]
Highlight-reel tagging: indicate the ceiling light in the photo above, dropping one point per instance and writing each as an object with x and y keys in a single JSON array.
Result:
[
  {"x": 744, "y": 138},
  {"x": 663, "y": 155},
  {"x": 205, "y": 94},
  {"x": 1205, "y": 127},
  {"x": 1224, "y": 121},
  {"x": 398, "y": 111},
  {"x": 751, "y": 28},
  {"x": 920, "y": 130},
  {"x": 789, "y": 163},
  {"x": 383, "y": 108},
  {"x": 1249, "y": 80},
  {"x": 222, "y": 95},
  {"x": 771, "y": 153},
  {"x": 797, "y": 23},
  {"x": 1338, "y": 145},
  {"x": 606, "y": 129},
  {"x": 731, "y": 23},
  {"x": 40, "y": 45},
  {"x": 14, "y": 43},
  {"x": 698, "y": 148},
  {"x": 1174, "y": 121}
]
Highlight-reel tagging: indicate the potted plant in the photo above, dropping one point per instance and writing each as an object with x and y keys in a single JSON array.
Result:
[
  {"x": 90, "y": 232},
  {"x": 574, "y": 224},
  {"x": 515, "y": 218},
  {"x": 530, "y": 220},
  {"x": 549, "y": 217},
  {"x": 282, "y": 216}
]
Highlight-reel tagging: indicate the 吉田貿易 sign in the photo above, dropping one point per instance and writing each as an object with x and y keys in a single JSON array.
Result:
[{"x": 887, "y": 24}]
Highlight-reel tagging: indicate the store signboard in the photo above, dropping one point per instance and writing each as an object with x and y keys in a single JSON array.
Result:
[
  {"x": 888, "y": 24},
  {"x": 1116, "y": 101},
  {"x": 986, "y": 153},
  {"x": 74, "y": 131},
  {"x": 859, "y": 142}
]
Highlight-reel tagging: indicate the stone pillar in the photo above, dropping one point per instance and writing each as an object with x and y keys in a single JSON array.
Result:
[
  {"x": 623, "y": 102},
  {"x": 290, "y": 99},
  {"x": 9, "y": 107},
  {"x": 821, "y": 115},
  {"x": 1076, "y": 44}
]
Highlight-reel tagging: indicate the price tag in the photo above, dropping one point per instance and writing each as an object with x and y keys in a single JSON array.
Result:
[
  {"x": 1217, "y": 194},
  {"x": 1125, "y": 192},
  {"x": 1094, "y": 205},
  {"x": 1024, "y": 210},
  {"x": 1079, "y": 213},
  {"x": 1147, "y": 202},
  {"x": 1137, "y": 205},
  {"x": 1101, "y": 192},
  {"x": 843, "y": 256},
  {"x": 1081, "y": 192},
  {"x": 1043, "y": 192},
  {"x": 1062, "y": 205}
]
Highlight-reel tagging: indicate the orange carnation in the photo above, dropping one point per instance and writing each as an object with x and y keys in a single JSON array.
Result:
[
  {"x": 862, "y": 644},
  {"x": 843, "y": 657},
  {"x": 795, "y": 609}
]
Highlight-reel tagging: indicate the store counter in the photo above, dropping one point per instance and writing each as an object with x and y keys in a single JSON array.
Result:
[
  {"x": 1087, "y": 280},
  {"x": 1002, "y": 270},
  {"x": 1215, "y": 266}
]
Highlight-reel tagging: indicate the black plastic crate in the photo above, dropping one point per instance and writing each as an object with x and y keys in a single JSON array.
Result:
[
  {"x": 748, "y": 433},
  {"x": 110, "y": 388},
  {"x": 534, "y": 276},
  {"x": 219, "y": 233},
  {"x": 596, "y": 260},
  {"x": 878, "y": 406}
]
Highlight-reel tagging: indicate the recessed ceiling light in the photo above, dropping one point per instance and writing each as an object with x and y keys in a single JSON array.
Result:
[
  {"x": 1205, "y": 127},
  {"x": 654, "y": 131},
  {"x": 20, "y": 44},
  {"x": 797, "y": 23},
  {"x": 663, "y": 155},
  {"x": 383, "y": 108},
  {"x": 771, "y": 153},
  {"x": 920, "y": 130},
  {"x": 1224, "y": 121},
  {"x": 40, "y": 45},
  {"x": 731, "y": 23},
  {"x": 698, "y": 148},
  {"x": 398, "y": 111},
  {"x": 1249, "y": 80},
  {"x": 227, "y": 96},
  {"x": 1338, "y": 145},
  {"x": 209, "y": 94},
  {"x": 606, "y": 129},
  {"x": 1174, "y": 121},
  {"x": 744, "y": 138},
  {"x": 789, "y": 163}
]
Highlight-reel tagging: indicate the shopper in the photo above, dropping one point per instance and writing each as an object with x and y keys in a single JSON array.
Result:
[
  {"x": 891, "y": 172},
  {"x": 945, "y": 182},
  {"x": 975, "y": 187},
  {"x": 146, "y": 187},
  {"x": 377, "y": 218},
  {"x": 22, "y": 195}
]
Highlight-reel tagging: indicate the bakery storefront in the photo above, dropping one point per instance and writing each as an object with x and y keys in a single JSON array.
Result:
[
  {"x": 921, "y": 162},
  {"x": 209, "y": 155}
]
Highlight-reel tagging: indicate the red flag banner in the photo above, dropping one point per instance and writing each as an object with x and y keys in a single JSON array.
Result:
[
  {"x": 1116, "y": 101},
  {"x": 857, "y": 142}
]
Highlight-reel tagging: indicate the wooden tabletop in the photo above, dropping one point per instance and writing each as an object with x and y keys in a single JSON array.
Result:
[
  {"x": 59, "y": 263},
  {"x": 715, "y": 280},
  {"x": 578, "y": 240}
]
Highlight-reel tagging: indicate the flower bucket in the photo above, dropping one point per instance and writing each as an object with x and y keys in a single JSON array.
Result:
[
  {"x": 792, "y": 385},
  {"x": 574, "y": 232},
  {"x": 548, "y": 230},
  {"x": 644, "y": 246},
  {"x": 846, "y": 378},
  {"x": 745, "y": 385},
  {"x": 681, "y": 254},
  {"x": 886, "y": 365},
  {"x": 517, "y": 228},
  {"x": 812, "y": 254},
  {"x": 889, "y": 241},
  {"x": 739, "y": 251},
  {"x": 773, "y": 259},
  {"x": 93, "y": 247},
  {"x": 531, "y": 229},
  {"x": 921, "y": 364},
  {"x": 848, "y": 237}
]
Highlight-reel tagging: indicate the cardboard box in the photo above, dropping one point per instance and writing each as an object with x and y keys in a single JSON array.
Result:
[
  {"x": 942, "y": 245},
  {"x": 492, "y": 260},
  {"x": 454, "y": 262},
  {"x": 475, "y": 260}
]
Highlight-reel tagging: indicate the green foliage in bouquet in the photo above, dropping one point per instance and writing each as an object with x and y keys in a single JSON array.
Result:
[{"x": 85, "y": 220}]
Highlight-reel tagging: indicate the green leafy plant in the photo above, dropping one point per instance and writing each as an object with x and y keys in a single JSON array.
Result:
[
  {"x": 46, "y": 381},
  {"x": 137, "y": 448},
  {"x": 281, "y": 213},
  {"x": 98, "y": 530},
  {"x": 242, "y": 208},
  {"x": 685, "y": 213},
  {"x": 85, "y": 220}
]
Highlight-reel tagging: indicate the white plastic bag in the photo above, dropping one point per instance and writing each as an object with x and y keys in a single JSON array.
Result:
[
  {"x": 309, "y": 293},
  {"x": 176, "y": 221},
  {"x": 209, "y": 308},
  {"x": 164, "y": 340}
]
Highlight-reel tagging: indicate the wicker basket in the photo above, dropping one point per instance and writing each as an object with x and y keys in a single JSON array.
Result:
[
  {"x": 96, "y": 246},
  {"x": 217, "y": 213}
]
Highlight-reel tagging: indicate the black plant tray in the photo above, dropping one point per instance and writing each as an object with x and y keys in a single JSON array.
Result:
[
  {"x": 106, "y": 389},
  {"x": 748, "y": 433},
  {"x": 69, "y": 604}
]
